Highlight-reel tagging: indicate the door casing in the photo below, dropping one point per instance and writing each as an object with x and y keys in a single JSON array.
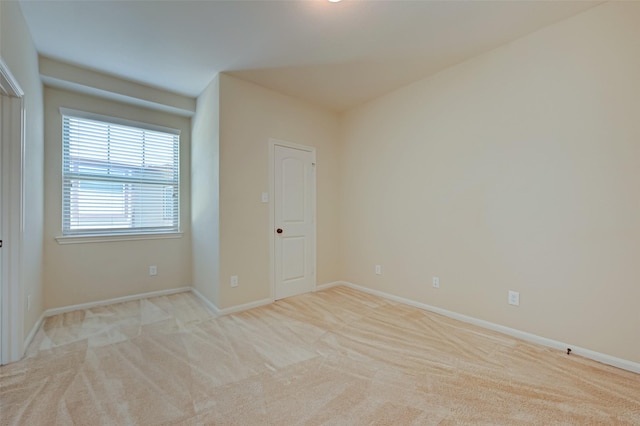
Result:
[{"x": 12, "y": 133}]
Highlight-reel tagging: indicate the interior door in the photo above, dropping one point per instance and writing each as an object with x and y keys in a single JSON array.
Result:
[{"x": 294, "y": 217}]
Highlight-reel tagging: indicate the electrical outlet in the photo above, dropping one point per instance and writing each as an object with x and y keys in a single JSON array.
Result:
[
  {"x": 514, "y": 298},
  {"x": 234, "y": 281},
  {"x": 153, "y": 270},
  {"x": 378, "y": 270},
  {"x": 436, "y": 282}
]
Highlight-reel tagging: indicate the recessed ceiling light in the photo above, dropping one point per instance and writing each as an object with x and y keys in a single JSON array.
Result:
[{"x": 334, "y": 1}]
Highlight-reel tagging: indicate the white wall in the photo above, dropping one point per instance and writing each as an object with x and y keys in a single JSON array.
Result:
[
  {"x": 205, "y": 218},
  {"x": 80, "y": 273},
  {"x": 517, "y": 169},
  {"x": 18, "y": 51},
  {"x": 249, "y": 116}
]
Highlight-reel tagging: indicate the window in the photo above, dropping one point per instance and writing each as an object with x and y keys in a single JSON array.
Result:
[{"x": 119, "y": 177}]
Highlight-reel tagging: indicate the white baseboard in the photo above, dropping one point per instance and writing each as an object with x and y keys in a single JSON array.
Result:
[
  {"x": 251, "y": 305},
  {"x": 33, "y": 332},
  {"x": 207, "y": 302},
  {"x": 213, "y": 308},
  {"x": 244, "y": 306},
  {"x": 231, "y": 309},
  {"x": 89, "y": 305},
  {"x": 523, "y": 335},
  {"x": 329, "y": 285}
]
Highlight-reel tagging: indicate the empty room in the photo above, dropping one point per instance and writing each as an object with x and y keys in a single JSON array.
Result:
[{"x": 314, "y": 212}]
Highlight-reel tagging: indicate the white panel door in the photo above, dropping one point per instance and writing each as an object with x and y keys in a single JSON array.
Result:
[{"x": 294, "y": 213}]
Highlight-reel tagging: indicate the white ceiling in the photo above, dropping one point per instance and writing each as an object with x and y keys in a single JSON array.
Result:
[{"x": 333, "y": 54}]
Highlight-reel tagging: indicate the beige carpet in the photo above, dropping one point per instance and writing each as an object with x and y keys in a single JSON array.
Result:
[{"x": 333, "y": 357}]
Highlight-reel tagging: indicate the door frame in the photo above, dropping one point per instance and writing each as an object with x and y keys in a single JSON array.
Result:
[
  {"x": 272, "y": 216},
  {"x": 12, "y": 128}
]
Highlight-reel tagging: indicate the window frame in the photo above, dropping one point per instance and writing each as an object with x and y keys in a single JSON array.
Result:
[{"x": 119, "y": 234}]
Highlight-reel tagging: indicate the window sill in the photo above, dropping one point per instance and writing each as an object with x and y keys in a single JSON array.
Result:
[{"x": 84, "y": 239}]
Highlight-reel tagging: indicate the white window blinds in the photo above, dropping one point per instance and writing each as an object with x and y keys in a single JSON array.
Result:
[{"x": 119, "y": 177}]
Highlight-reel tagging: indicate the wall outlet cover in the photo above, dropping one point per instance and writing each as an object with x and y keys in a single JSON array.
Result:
[
  {"x": 514, "y": 298},
  {"x": 436, "y": 282}
]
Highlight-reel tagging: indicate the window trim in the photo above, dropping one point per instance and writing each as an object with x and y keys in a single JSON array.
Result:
[{"x": 118, "y": 234}]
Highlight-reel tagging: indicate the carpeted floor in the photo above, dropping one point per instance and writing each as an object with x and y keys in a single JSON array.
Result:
[{"x": 334, "y": 357}]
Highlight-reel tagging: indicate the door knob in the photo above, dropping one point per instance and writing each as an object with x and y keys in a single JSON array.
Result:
[{"x": 279, "y": 230}]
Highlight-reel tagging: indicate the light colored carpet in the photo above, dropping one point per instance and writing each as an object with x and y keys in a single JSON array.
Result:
[{"x": 334, "y": 357}]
